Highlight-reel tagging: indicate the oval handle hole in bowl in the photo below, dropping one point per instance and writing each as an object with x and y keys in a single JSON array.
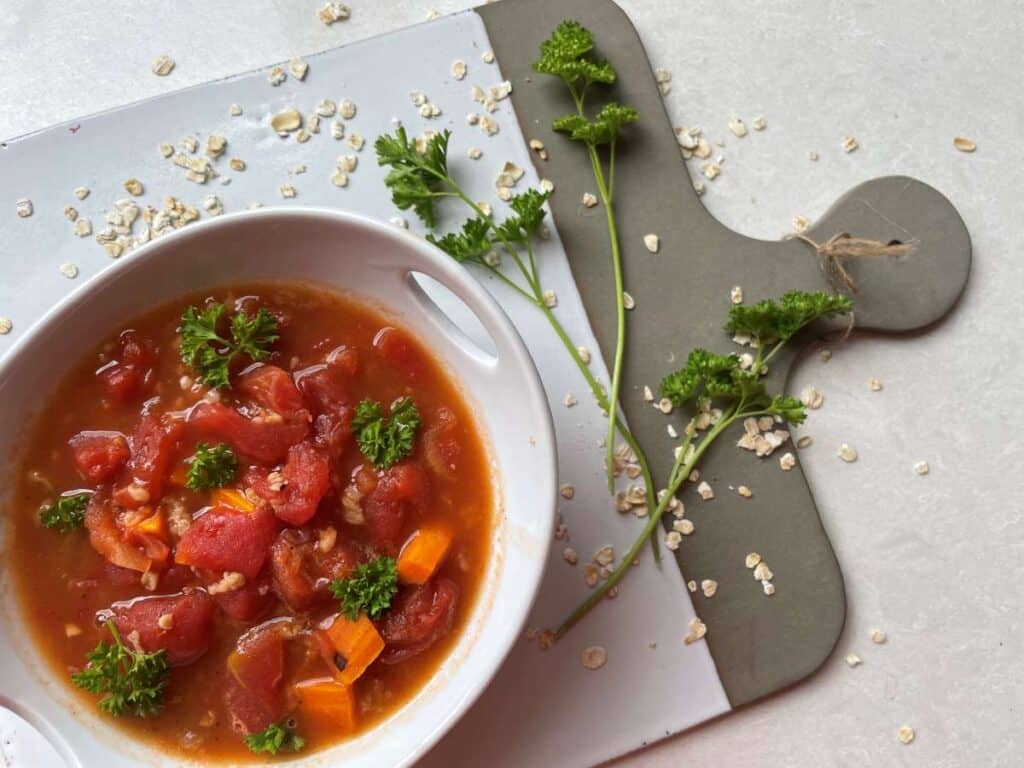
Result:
[{"x": 454, "y": 317}]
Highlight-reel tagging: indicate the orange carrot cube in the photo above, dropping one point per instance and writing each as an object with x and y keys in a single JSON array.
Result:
[
  {"x": 349, "y": 647},
  {"x": 423, "y": 554}
]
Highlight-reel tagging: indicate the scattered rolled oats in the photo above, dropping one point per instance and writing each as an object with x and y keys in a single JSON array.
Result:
[
  {"x": 487, "y": 57},
  {"x": 191, "y": 144},
  {"x": 475, "y": 153},
  {"x": 768, "y": 588},
  {"x": 584, "y": 354},
  {"x": 752, "y": 560},
  {"x": 133, "y": 187},
  {"x": 875, "y": 385},
  {"x": 849, "y": 144},
  {"x": 905, "y": 734},
  {"x": 698, "y": 629},
  {"x": 302, "y": 136},
  {"x": 82, "y": 227},
  {"x": 673, "y": 539},
  {"x": 812, "y": 398},
  {"x": 547, "y": 185},
  {"x": 591, "y": 575},
  {"x": 709, "y": 587},
  {"x": 878, "y": 636},
  {"x": 5, "y": 325},
  {"x": 738, "y": 127},
  {"x": 550, "y": 299},
  {"x": 83, "y": 192},
  {"x": 69, "y": 270},
  {"x": 787, "y": 461},
  {"x": 163, "y": 65},
  {"x": 711, "y": 170},
  {"x": 165, "y": 149},
  {"x": 276, "y": 76},
  {"x": 762, "y": 572},
  {"x": 235, "y": 110},
  {"x": 706, "y": 492},
  {"x": 594, "y": 657},
  {"x": 628, "y": 301},
  {"x": 298, "y": 67},
  {"x": 490, "y": 126},
  {"x": 569, "y": 400},
  {"x": 665, "y": 405},
  {"x": 237, "y": 164},
  {"x": 356, "y": 141},
  {"x": 853, "y": 660},
  {"x": 567, "y": 491},
  {"x": 331, "y": 13},
  {"x": 213, "y": 205},
  {"x": 570, "y": 556},
  {"x": 800, "y": 224},
  {"x": 964, "y": 144},
  {"x": 652, "y": 243},
  {"x": 736, "y": 294},
  {"x": 847, "y": 453},
  {"x": 804, "y": 441},
  {"x": 347, "y": 109},
  {"x": 215, "y": 145},
  {"x": 744, "y": 492},
  {"x": 70, "y": 212},
  {"x": 921, "y": 467},
  {"x": 286, "y": 121},
  {"x": 759, "y": 123},
  {"x": 459, "y": 69},
  {"x": 23, "y": 207},
  {"x": 589, "y": 200},
  {"x": 287, "y": 191},
  {"x": 684, "y": 526},
  {"x": 813, "y": 156}
]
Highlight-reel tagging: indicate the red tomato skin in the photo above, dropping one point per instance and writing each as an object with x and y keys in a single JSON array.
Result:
[
  {"x": 264, "y": 442},
  {"x": 441, "y": 446},
  {"x": 418, "y": 618},
  {"x": 306, "y": 478},
  {"x": 153, "y": 443},
  {"x": 225, "y": 539},
  {"x": 191, "y": 629},
  {"x": 399, "y": 490},
  {"x": 325, "y": 388},
  {"x": 127, "y": 378},
  {"x": 253, "y": 679},
  {"x": 399, "y": 350},
  {"x": 99, "y": 455},
  {"x": 302, "y": 573},
  {"x": 247, "y": 603},
  {"x": 272, "y": 388}
]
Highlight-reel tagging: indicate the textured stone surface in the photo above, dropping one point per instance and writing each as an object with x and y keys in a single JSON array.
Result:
[{"x": 932, "y": 560}]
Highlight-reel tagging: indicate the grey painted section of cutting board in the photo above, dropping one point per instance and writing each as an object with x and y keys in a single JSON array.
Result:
[{"x": 760, "y": 644}]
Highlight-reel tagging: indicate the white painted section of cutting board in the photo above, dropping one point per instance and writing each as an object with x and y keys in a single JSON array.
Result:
[{"x": 543, "y": 708}]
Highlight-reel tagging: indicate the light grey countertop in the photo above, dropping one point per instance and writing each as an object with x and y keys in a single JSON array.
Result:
[{"x": 933, "y": 561}]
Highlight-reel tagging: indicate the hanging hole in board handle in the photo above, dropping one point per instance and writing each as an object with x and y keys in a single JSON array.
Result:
[{"x": 454, "y": 317}]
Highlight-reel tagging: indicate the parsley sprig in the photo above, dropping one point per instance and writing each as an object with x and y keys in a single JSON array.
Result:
[
  {"x": 132, "y": 682},
  {"x": 211, "y": 467},
  {"x": 386, "y": 441},
  {"x": 275, "y": 738},
  {"x": 569, "y": 55},
  {"x": 420, "y": 176},
  {"x": 709, "y": 379},
  {"x": 370, "y": 589},
  {"x": 67, "y": 513},
  {"x": 210, "y": 353}
]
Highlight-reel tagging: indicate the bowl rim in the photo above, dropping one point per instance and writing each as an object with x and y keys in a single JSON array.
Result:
[{"x": 455, "y": 275}]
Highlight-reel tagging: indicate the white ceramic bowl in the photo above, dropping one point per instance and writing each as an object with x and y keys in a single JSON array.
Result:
[{"x": 372, "y": 262}]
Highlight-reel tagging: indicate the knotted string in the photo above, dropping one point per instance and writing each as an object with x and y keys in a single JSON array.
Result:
[{"x": 834, "y": 252}]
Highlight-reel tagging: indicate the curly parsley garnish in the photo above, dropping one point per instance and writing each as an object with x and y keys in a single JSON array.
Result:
[
  {"x": 414, "y": 176},
  {"x": 211, "y": 467},
  {"x": 275, "y": 738},
  {"x": 711, "y": 381},
  {"x": 386, "y": 441},
  {"x": 133, "y": 682},
  {"x": 210, "y": 354},
  {"x": 67, "y": 513},
  {"x": 370, "y": 589}
]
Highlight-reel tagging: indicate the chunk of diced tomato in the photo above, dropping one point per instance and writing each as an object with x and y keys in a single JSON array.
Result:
[
  {"x": 99, "y": 455},
  {"x": 325, "y": 388},
  {"x": 107, "y": 538},
  {"x": 418, "y": 618},
  {"x": 304, "y": 480},
  {"x": 400, "y": 351},
  {"x": 248, "y": 602},
  {"x": 399, "y": 490},
  {"x": 264, "y": 441},
  {"x": 127, "y": 377},
  {"x": 224, "y": 539},
  {"x": 301, "y": 571},
  {"x": 441, "y": 446},
  {"x": 185, "y": 635},
  {"x": 153, "y": 443},
  {"x": 252, "y": 689},
  {"x": 272, "y": 388}
]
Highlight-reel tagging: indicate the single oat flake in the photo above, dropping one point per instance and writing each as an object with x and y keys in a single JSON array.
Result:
[
  {"x": 628, "y": 301},
  {"x": 875, "y": 385},
  {"x": 905, "y": 734},
  {"x": 287, "y": 191},
  {"x": 964, "y": 144},
  {"x": 698, "y": 629},
  {"x": 736, "y": 294},
  {"x": 652, "y": 242},
  {"x": 589, "y": 200},
  {"x": 567, "y": 490},
  {"x": 853, "y": 660},
  {"x": 847, "y": 453},
  {"x": 709, "y": 587},
  {"x": 286, "y": 121},
  {"x": 878, "y": 637},
  {"x": 23, "y": 207},
  {"x": 332, "y": 13},
  {"x": 759, "y": 123},
  {"x": 133, "y": 187},
  {"x": 570, "y": 556},
  {"x": 5, "y": 325},
  {"x": 298, "y": 67},
  {"x": 849, "y": 144},
  {"x": 921, "y": 467},
  {"x": 706, "y": 492},
  {"x": 594, "y": 657},
  {"x": 752, "y": 560},
  {"x": 83, "y": 192},
  {"x": 738, "y": 127},
  {"x": 800, "y": 224},
  {"x": 459, "y": 69},
  {"x": 69, "y": 270},
  {"x": 163, "y": 65},
  {"x": 812, "y": 398},
  {"x": 787, "y": 462}
]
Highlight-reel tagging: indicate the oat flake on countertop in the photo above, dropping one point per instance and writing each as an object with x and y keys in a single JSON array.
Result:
[
  {"x": 594, "y": 657},
  {"x": 69, "y": 270},
  {"x": 628, "y": 301},
  {"x": 853, "y": 660},
  {"x": 5, "y": 325},
  {"x": 235, "y": 110},
  {"x": 812, "y": 398},
  {"x": 23, "y": 207},
  {"x": 847, "y": 453},
  {"x": 459, "y": 69},
  {"x": 163, "y": 66},
  {"x": 276, "y": 76},
  {"x": 287, "y": 191},
  {"x": 698, "y": 629},
  {"x": 347, "y": 109},
  {"x": 331, "y": 13},
  {"x": 800, "y": 224},
  {"x": 905, "y": 734},
  {"x": 878, "y": 637},
  {"x": 298, "y": 67},
  {"x": 875, "y": 385},
  {"x": 82, "y": 192},
  {"x": 736, "y": 294},
  {"x": 738, "y": 127},
  {"x": 759, "y": 123},
  {"x": 921, "y": 467},
  {"x": 652, "y": 242},
  {"x": 709, "y": 587},
  {"x": 752, "y": 560},
  {"x": 849, "y": 144},
  {"x": 964, "y": 144}
]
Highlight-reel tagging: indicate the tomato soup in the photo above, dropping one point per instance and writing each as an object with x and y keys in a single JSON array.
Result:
[{"x": 252, "y": 523}]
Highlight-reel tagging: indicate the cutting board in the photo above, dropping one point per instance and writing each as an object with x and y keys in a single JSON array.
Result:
[{"x": 545, "y": 708}]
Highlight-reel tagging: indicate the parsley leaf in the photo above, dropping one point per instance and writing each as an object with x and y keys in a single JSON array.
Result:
[
  {"x": 134, "y": 682},
  {"x": 210, "y": 354},
  {"x": 273, "y": 739},
  {"x": 603, "y": 129},
  {"x": 529, "y": 212},
  {"x": 385, "y": 441},
  {"x": 211, "y": 467},
  {"x": 369, "y": 589},
  {"x": 414, "y": 175},
  {"x": 568, "y": 54},
  {"x": 471, "y": 244},
  {"x": 780, "y": 320},
  {"x": 67, "y": 513}
]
